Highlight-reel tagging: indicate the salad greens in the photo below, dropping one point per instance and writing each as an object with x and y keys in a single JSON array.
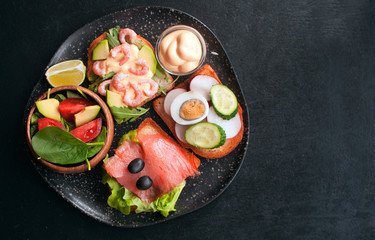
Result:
[
  {"x": 123, "y": 114},
  {"x": 71, "y": 94},
  {"x": 132, "y": 135},
  {"x": 68, "y": 126},
  {"x": 55, "y": 145},
  {"x": 83, "y": 94},
  {"x": 34, "y": 122},
  {"x": 60, "y": 97},
  {"x": 97, "y": 80},
  {"x": 58, "y": 146},
  {"x": 112, "y": 37},
  {"x": 124, "y": 200},
  {"x": 93, "y": 150}
]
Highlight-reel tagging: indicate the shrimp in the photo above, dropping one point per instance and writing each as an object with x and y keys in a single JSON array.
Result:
[
  {"x": 127, "y": 32},
  {"x": 99, "y": 69},
  {"x": 124, "y": 49},
  {"x": 144, "y": 67},
  {"x": 116, "y": 81},
  {"x": 102, "y": 87},
  {"x": 153, "y": 87},
  {"x": 137, "y": 100}
]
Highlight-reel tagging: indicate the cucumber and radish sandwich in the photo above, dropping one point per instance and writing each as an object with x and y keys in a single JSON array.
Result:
[
  {"x": 148, "y": 170},
  {"x": 203, "y": 114},
  {"x": 122, "y": 67}
]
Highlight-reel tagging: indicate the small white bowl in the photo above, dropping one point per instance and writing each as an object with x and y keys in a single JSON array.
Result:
[{"x": 175, "y": 28}]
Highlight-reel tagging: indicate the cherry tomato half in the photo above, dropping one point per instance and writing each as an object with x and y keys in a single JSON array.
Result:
[
  {"x": 46, "y": 122},
  {"x": 89, "y": 131},
  {"x": 71, "y": 106}
]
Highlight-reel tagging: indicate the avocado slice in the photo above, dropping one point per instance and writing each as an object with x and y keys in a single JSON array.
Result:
[
  {"x": 101, "y": 51},
  {"x": 49, "y": 108},
  {"x": 86, "y": 115},
  {"x": 114, "y": 99},
  {"x": 148, "y": 54}
]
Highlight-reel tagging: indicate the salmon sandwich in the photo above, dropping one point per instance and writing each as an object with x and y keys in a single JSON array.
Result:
[{"x": 148, "y": 170}]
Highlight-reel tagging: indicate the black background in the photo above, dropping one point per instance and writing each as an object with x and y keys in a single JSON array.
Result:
[{"x": 307, "y": 70}]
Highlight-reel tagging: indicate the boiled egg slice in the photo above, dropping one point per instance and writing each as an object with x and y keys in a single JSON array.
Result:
[{"x": 189, "y": 108}]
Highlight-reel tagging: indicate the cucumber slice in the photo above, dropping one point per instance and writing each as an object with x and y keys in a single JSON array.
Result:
[
  {"x": 224, "y": 101},
  {"x": 205, "y": 135}
]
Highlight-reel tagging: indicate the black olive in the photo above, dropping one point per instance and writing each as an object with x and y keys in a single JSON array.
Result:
[
  {"x": 136, "y": 165},
  {"x": 144, "y": 183}
]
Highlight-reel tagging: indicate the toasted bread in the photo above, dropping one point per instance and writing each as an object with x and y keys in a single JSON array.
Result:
[
  {"x": 229, "y": 145},
  {"x": 90, "y": 62}
]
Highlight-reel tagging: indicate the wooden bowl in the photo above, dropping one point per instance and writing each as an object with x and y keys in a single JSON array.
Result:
[{"x": 99, "y": 156}]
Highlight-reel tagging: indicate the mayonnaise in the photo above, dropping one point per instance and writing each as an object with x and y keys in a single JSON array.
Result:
[
  {"x": 180, "y": 51},
  {"x": 113, "y": 63},
  {"x": 113, "y": 66}
]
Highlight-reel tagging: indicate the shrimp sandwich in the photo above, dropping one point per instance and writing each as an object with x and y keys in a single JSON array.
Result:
[{"x": 122, "y": 66}]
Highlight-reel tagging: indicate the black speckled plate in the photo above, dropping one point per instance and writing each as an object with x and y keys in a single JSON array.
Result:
[{"x": 85, "y": 190}]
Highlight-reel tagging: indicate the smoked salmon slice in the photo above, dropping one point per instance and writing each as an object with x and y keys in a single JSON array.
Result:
[{"x": 165, "y": 163}]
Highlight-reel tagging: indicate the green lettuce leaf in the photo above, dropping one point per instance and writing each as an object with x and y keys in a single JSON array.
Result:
[
  {"x": 132, "y": 135},
  {"x": 124, "y": 200}
]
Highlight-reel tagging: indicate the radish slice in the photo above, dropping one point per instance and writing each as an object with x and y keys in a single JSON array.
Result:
[
  {"x": 203, "y": 84},
  {"x": 231, "y": 127},
  {"x": 170, "y": 97},
  {"x": 180, "y": 131}
]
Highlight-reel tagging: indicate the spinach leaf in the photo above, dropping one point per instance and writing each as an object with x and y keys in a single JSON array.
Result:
[
  {"x": 100, "y": 138},
  {"x": 123, "y": 114},
  {"x": 58, "y": 146},
  {"x": 112, "y": 37}
]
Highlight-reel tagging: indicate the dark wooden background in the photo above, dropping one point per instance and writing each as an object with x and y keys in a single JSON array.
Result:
[{"x": 307, "y": 69}]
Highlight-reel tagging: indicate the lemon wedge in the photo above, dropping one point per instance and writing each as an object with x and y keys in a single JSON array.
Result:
[{"x": 71, "y": 72}]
